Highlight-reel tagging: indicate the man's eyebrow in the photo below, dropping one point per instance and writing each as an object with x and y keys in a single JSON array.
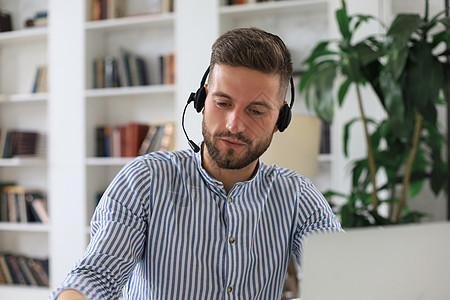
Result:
[
  {"x": 222, "y": 94},
  {"x": 262, "y": 103}
]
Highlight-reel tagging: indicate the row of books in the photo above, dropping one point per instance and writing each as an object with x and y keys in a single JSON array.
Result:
[
  {"x": 107, "y": 9},
  {"x": 133, "y": 139},
  {"x": 130, "y": 70},
  {"x": 23, "y": 270},
  {"x": 21, "y": 205},
  {"x": 110, "y": 9},
  {"x": 40, "y": 83},
  {"x": 18, "y": 143}
]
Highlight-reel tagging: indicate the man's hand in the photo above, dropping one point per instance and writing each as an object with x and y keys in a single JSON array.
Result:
[{"x": 70, "y": 295}]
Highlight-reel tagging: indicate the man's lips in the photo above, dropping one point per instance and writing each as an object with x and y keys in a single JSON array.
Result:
[{"x": 232, "y": 143}]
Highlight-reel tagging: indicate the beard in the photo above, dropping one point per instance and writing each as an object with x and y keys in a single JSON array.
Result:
[{"x": 228, "y": 159}]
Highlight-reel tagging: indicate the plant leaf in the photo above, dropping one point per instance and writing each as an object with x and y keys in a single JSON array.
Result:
[
  {"x": 343, "y": 21},
  {"x": 404, "y": 24},
  {"x": 398, "y": 36},
  {"x": 343, "y": 91},
  {"x": 320, "y": 50},
  {"x": 420, "y": 91},
  {"x": 347, "y": 134},
  {"x": 395, "y": 108},
  {"x": 323, "y": 91}
]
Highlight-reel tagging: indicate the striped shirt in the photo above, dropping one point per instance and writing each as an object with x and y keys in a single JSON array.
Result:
[{"x": 165, "y": 229}]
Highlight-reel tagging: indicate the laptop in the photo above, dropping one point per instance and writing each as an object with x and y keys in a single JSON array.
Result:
[{"x": 402, "y": 262}]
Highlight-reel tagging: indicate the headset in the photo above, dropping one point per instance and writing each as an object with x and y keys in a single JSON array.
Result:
[{"x": 199, "y": 97}]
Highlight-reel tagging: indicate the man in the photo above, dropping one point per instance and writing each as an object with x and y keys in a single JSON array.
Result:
[{"x": 212, "y": 224}]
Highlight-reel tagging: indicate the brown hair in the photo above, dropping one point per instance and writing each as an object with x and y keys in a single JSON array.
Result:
[{"x": 255, "y": 49}]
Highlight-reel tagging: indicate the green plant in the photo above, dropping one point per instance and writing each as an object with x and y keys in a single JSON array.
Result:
[{"x": 408, "y": 69}]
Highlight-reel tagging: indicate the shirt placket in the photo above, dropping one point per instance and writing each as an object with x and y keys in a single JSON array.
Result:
[{"x": 231, "y": 248}]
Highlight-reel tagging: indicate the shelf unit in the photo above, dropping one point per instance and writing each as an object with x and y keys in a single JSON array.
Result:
[
  {"x": 70, "y": 111},
  {"x": 21, "y": 52},
  {"x": 149, "y": 36}
]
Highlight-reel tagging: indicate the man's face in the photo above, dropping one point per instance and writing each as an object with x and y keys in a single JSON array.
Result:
[{"x": 239, "y": 119}]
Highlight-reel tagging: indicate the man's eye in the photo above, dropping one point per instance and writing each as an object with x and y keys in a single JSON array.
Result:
[
  {"x": 256, "y": 112},
  {"x": 222, "y": 104}
]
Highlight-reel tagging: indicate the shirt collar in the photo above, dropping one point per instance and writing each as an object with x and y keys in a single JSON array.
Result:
[{"x": 213, "y": 181}]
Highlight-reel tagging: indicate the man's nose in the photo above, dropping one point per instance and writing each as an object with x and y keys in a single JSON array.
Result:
[{"x": 236, "y": 122}]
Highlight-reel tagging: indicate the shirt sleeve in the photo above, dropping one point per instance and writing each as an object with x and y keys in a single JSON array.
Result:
[
  {"x": 314, "y": 216},
  {"x": 118, "y": 235}
]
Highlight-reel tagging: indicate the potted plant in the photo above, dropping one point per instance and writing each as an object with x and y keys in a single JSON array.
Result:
[{"x": 409, "y": 71}]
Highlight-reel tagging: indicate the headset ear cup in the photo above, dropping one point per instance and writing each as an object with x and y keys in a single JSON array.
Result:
[
  {"x": 200, "y": 97},
  {"x": 284, "y": 118}
]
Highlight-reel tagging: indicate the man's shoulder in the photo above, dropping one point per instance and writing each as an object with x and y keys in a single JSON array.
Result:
[
  {"x": 171, "y": 157},
  {"x": 280, "y": 172}
]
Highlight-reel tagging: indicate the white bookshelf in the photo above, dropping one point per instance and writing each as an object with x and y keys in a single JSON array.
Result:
[
  {"x": 67, "y": 115},
  {"x": 21, "y": 52}
]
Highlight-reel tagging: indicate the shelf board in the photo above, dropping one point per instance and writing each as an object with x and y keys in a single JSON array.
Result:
[
  {"x": 24, "y": 227},
  {"x": 270, "y": 6},
  {"x": 23, "y": 35},
  {"x": 23, "y": 292},
  {"x": 21, "y": 98},
  {"x": 326, "y": 158},
  {"x": 108, "y": 161},
  {"x": 131, "y": 22},
  {"x": 22, "y": 162},
  {"x": 130, "y": 91}
]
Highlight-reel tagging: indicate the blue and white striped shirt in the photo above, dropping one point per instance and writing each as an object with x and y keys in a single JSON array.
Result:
[{"x": 165, "y": 229}]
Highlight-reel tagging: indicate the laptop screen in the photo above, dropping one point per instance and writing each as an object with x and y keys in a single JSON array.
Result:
[{"x": 390, "y": 263}]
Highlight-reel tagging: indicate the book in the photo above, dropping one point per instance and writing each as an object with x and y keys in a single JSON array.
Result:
[
  {"x": 39, "y": 268},
  {"x": 5, "y": 21},
  {"x": 111, "y": 74},
  {"x": 36, "y": 80},
  {"x": 167, "y": 68},
  {"x": 16, "y": 274},
  {"x": 26, "y": 143},
  {"x": 40, "y": 82},
  {"x": 36, "y": 206},
  {"x": 9, "y": 148},
  {"x": 134, "y": 136},
  {"x": 26, "y": 271},
  {"x": 325, "y": 142},
  {"x": 5, "y": 270},
  {"x": 100, "y": 141},
  {"x": 3, "y": 132}
]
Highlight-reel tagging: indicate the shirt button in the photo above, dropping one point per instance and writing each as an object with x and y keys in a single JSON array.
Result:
[
  {"x": 232, "y": 240},
  {"x": 216, "y": 183},
  {"x": 229, "y": 289},
  {"x": 230, "y": 200}
]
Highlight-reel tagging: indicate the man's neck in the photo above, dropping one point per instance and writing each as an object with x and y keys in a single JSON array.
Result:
[{"x": 229, "y": 177}]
